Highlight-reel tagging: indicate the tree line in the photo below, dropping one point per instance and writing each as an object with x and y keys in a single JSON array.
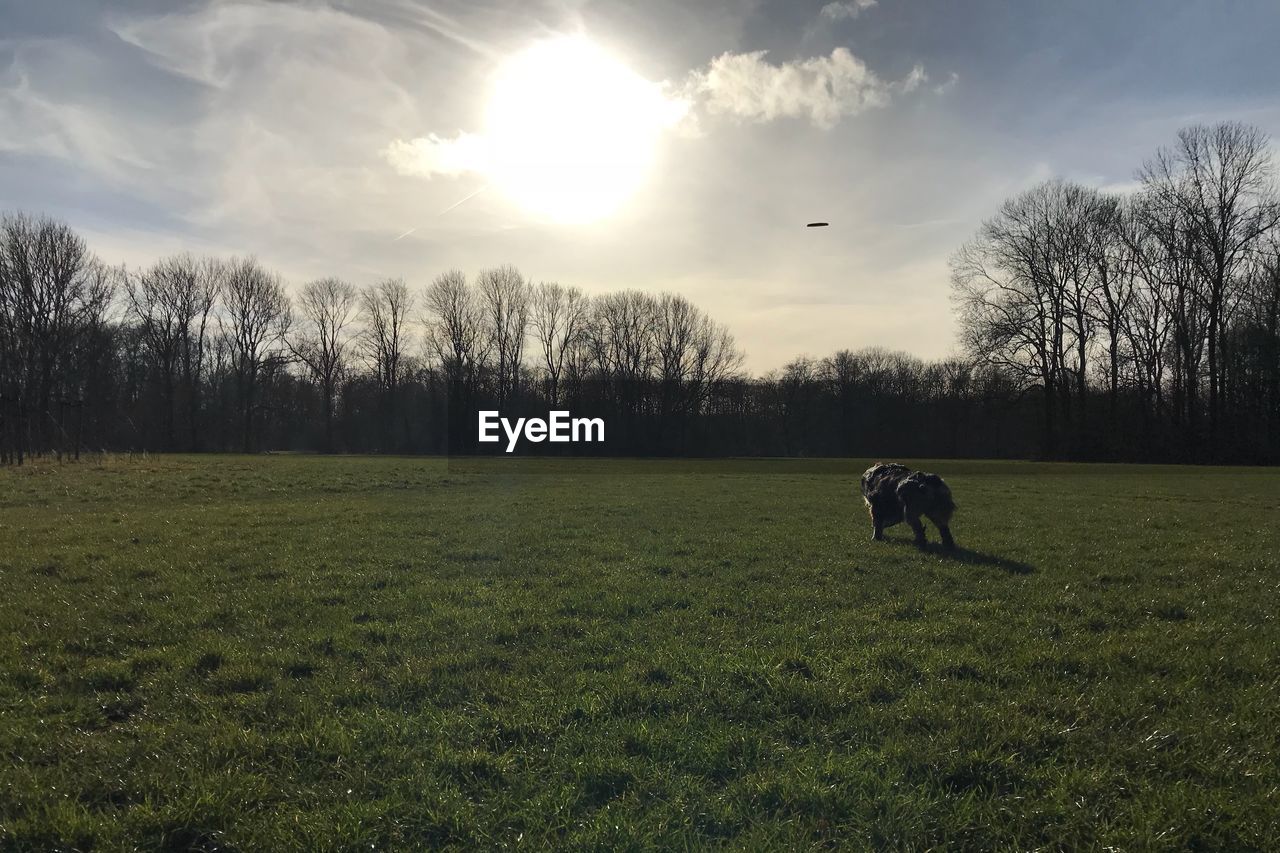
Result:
[
  {"x": 1142, "y": 323},
  {"x": 1139, "y": 327},
  {"x": 206, "y": 354}
]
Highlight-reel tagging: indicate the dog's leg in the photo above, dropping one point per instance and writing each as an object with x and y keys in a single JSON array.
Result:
[
  {"x": 877, "y": 527},
  {"x": 913, "y": 521},
  {"x": 947, "y": 542},
  {"x": 942, "y": 521}
]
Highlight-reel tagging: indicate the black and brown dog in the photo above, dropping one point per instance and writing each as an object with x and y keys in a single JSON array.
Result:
[{"x": 895, "y": 493}]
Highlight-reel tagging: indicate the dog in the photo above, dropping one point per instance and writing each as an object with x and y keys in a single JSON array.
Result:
[{"x": 894, "y": 493}]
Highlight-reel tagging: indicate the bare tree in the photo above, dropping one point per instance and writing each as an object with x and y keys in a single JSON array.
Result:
[
  {"x": 623, "y": 334},
  {"x": 1170, "y": 308},
  {"x": 454, "y": 326},
  {"x": 1219, "y": 181},
  {"x": 172, "y": 302},
  {"x": 1265, "y": 310},
  {"x": 53, "y": 293},
  {"x": 327, "y": 307},
  {"x": 153, "y": 304},
  {"x": 1074, "y": 270},
  {"x": 693, "y": 352},
  {"x": 716, "y": 356},
  {"x": 675, "y": 326},
  {"x": 1025, "y": 288},
  {"x": 257, "y": 318},
  {"x": 1114, "y": 292},
  {"x": 798, "y": 387},
  {"x": 1010, "y": 300},
  {"x": 1252, "y": 372},
  {"x": 504, "y": 296},
  {"x": 559, "y": 317},
  {"x": 385, "y": 309},
  {"x": 200, "y": 300}
]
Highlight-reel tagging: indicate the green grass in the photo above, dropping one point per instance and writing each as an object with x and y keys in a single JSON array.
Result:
[{"x": 282, "y": 653}]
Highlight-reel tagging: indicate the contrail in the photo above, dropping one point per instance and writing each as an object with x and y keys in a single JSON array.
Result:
[
  {"x": 464, "y": 201},
  {"x": 449, "y": 28},
  {"x": 408, "y": 11},
  {"x": 456, "y": 204}
]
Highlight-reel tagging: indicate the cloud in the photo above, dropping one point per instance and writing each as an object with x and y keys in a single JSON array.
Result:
[
  {"x": 37, "y": 123},
  {"x": 845, "y": 11},
  {"x": 947, "y": 85},
  {"x": 914, "y": 80},
  {"x": 259, "y": 126},
  {"x": 431, "y": 155},
  {"x": 822, "y": 89},
  {"x": 745, "y": 86},
  {"x": 291, "y": 104}
]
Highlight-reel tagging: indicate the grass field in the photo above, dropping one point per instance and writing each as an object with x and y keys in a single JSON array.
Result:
[{"x": 279, "y": 653}]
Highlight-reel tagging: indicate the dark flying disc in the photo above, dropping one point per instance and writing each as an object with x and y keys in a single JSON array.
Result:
[{"x": 817, "y": 225}]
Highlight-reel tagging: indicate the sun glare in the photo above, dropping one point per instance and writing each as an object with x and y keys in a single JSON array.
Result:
[{"x": 571, "y": 131}]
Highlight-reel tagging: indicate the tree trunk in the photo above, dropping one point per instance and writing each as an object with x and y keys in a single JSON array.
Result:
[
  {"x": 1050, "y": 440},
  {"x": 247, "y": 441},
  {"x": 328, "y": 418}
]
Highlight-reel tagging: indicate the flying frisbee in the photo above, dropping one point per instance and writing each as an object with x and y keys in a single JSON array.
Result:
[{"x": 817, "y": 225}]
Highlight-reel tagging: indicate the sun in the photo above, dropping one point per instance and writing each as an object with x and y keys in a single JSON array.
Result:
[{"x": 571, "y": 131}]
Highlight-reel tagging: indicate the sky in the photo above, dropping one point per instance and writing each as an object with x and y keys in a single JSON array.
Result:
[{"x": 403, "y": 138}]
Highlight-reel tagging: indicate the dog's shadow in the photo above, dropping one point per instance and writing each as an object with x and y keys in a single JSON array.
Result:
[{"x": 970, "y": 557}]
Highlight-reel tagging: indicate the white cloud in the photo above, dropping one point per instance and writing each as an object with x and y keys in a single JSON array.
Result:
[
  {"x": 47, "y": 121},
  {"x": 1120, "y": 186},
  {"x": 847, "y": 10},
  {"x": 822, "y": 89},
  {"x": 262, "y": 127},
  {"x": 431, "y": 155},
  {"x": 947, "y": 85},
  {"x": 294, "y": 104},
  {"x": 745, "y": 86},
  {"x": 914, "y": 80}
]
